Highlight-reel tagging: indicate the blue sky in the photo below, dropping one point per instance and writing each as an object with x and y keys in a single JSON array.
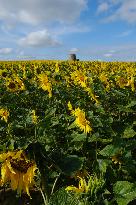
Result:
[{"x": 52, "y": 29}]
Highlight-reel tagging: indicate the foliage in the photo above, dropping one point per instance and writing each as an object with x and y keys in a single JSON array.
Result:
[{"x": 75, "y": 119}]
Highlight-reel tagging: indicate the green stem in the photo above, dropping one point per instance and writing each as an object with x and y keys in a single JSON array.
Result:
[
  {"x": 44, "y": 197},
  {"x": 55, "y": 183}
]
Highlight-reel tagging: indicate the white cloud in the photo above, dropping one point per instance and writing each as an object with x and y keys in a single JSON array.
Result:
[
  {"x": 41, "y": 11},
  {"x": 67, "y": 29},
  {"x": 103, "y": 7},
  {"x": 121, "y": 10},
  {"x": 41, "y": 38},
  {"x": 25, "y": 57},
  {"x": 125, "y": 33},
  {"x": 118, "y": 52},
  {"x": 74, "y": 50},
  {"x": 108, "y": 55},
  {"x": 127, "y": 11},
  {"x": 112, "y": 51},
  {"x": 5, "y": 51},
  {"x": 21, "y": 53},
  {"x": 39, "y": 23}
]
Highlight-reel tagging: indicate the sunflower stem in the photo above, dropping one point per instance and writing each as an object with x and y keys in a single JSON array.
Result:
[
  {"x": 55, "y": 183},
  {"x": 44, "y": 197}
]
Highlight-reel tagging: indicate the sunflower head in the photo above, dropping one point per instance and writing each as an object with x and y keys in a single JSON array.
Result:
[
  {"x": 17, "y": 170},
  {"x": 81, "y": 121},
  {"x": 4, "y": 114}
]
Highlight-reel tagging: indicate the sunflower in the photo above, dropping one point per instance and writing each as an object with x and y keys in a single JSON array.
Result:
[
  {"x": 34, "y": 117},
  {"x": 45, "y": 84},
  {"x": 92, "y": 95},
  {"x": 17, "y": 170},
  {"x": 89, "y": 184},
  {"x": 4, "y": 114},
  {"x": 11, "y": 85},
  {"x": 83, "y": 186},
  {"x": 3, "y": 73},
  {"x": 14, "y": 85},
  {"x": 69, "y": 106},
  {"x": 20, "y": 84},
  {"x": 131, "y": 82},
  {"x": 104, "y": 79},
  {"x": 117, "y": 158},
  {"x": 121, "y": 81},
  {"x": 81, "y": 121},
  {"x": 79, "y": 78},
  {"x": 57, "y": 67}
]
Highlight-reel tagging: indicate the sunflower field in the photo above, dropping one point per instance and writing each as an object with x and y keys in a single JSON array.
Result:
[{"x": 67, "y": 133}]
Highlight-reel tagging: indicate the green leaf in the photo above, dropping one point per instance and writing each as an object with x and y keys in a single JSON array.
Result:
[
  {"x": 119, "y": 93},
  {"x": 131, "y": 104},
  {"x": 103, "y": 164},
  {"x": 129, "y": 132},
  {"x": 94, "y": 137},
  {"x": 61, "y": 197},
  {"x": 73, "y": 125},
  {"x": 100, "y": 109},
  {"x": 123, "y": 108},
  {"x": 78, "y": 137},
  {"x": 109, "y": 150},
  {"x": 50, "y": 112},
  {"x": 54, "y": 121},
  {"x": 11, "y": 144},
  {"x": 70, "y": 164},
  {"x": 124, "y": 192},
  {"x": 2, "y": 147}
]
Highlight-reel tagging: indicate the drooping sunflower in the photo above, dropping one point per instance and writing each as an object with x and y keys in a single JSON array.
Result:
[
  {"x": 17, "y": 170},
  {"x": 92, "y": 95},
  {"x": 45, "y": 84},
  {"x": 81, "y": 121},
  {"x": 86, "y": 185},
  {"x": 83, "y": 186}
]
